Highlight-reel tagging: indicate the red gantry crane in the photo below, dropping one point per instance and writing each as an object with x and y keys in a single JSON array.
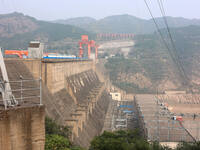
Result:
[{"x": 90, "y": 44}]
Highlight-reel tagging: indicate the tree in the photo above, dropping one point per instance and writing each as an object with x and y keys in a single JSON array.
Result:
[
  {"x": 57, "y": 137},
  {"x": 119, "y": 140},
  {"x": 124, "y": 140},
  {"x": 189, "y": 146},
  {"x": 56, "y": 142},
  {"x": 52, "y": 128}
]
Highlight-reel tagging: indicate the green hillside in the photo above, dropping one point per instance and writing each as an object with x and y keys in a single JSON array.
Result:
[{"x": 151, "y": 62}]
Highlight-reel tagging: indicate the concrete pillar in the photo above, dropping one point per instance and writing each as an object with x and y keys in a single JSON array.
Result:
[{"x": 22, "y": 129}]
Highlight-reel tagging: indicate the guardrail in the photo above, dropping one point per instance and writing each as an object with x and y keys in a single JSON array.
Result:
[{"x": 23, "y": 91}]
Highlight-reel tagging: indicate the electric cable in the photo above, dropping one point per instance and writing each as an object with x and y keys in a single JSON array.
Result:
[
  {"x": 163, "y": 39},
  {"x": 179, "y": 65},
  {"x": 161, "y": 6}
]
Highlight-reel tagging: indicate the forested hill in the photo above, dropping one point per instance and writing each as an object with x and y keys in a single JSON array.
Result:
[
  {"x": 150, "y": 68},
  {"x": 17, "y": 30},
  {"x": 126, "y": 24}
]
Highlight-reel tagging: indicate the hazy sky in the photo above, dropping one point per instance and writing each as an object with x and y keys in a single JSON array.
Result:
[{"x": 63, "y": 9}]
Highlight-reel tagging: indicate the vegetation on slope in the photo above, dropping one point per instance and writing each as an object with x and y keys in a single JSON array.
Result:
[
  {"x": 131, "y": 140},
  {"x": 120, "y": 66},
  {"x": 148, "y": 60},
  {"x": 57, "y": 137},
  {"x": 151, "y": 60}
]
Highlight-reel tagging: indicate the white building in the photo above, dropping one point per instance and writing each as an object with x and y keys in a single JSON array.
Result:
[{"x": 116, "y": 96}]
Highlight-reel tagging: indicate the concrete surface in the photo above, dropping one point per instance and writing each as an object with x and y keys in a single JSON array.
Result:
[{"x": 22, "y": 128}]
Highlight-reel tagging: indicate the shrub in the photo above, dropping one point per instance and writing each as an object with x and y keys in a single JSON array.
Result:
[{"x": 56, "y": 142}]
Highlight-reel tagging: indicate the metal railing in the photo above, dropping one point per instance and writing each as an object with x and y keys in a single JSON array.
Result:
[{"x": 24, "y": 91}]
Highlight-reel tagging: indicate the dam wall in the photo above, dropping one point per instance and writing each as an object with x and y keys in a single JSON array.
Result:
[
  {"x": 22, "y": 128},
  {"x": 74, "y": 94},
  {"x": 55, "y": 72},
  {"x": 93, "y": 125}
]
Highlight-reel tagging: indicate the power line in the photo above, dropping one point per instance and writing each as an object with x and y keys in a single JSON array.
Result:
[
  {"x": 177, "y": 61},
  {"x": 161, "y": 6},
  {"x": 165, "y": 43},
  {"x": 172, "y": 41}
]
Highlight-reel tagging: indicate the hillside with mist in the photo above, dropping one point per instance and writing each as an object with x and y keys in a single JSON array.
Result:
[{"x": 126, "y": 24}]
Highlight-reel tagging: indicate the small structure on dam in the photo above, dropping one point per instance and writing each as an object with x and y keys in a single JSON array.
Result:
[{"x": 35, "y": 49}]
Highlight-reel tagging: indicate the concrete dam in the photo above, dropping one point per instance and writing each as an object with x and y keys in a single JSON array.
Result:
[{"x": 73, "y": 94}]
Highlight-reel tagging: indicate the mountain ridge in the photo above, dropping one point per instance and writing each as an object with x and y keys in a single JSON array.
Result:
[
  {"x": 78, "y": 21},
  {"x": 130, "y": 24}
]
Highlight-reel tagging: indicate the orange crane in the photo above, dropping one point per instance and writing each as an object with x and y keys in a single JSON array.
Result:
[
  {"x": 90, "y": 44},
  {"x": 16, "y": 52}
]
